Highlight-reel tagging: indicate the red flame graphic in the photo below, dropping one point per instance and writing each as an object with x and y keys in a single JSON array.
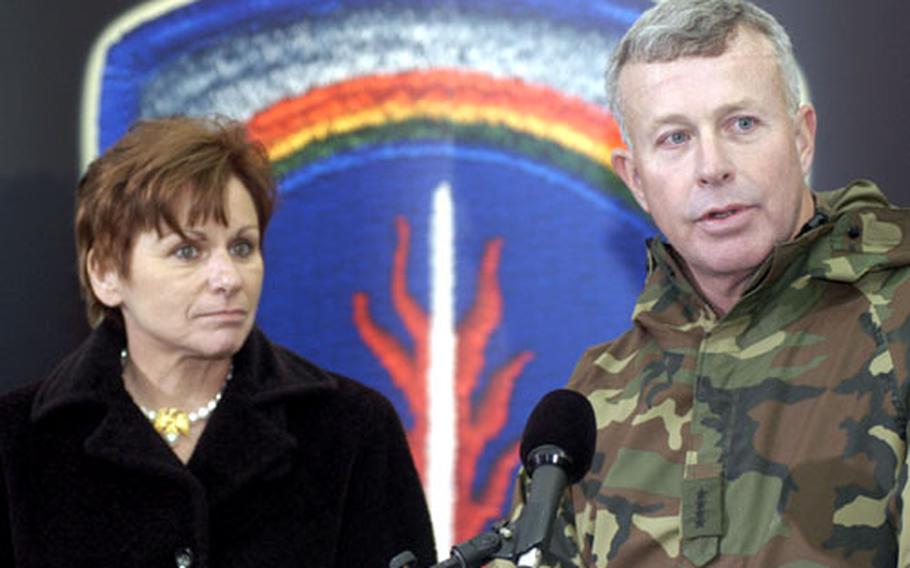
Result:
[{"x": 477, "y": 424}]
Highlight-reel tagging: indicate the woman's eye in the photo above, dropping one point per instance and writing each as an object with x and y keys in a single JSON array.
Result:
[
  {"x": 186, "y": 252},
  {"x": 242, "y": 249}
]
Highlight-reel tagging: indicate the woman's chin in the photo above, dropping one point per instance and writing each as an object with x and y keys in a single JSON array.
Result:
[{"x": 219, "y": 346}]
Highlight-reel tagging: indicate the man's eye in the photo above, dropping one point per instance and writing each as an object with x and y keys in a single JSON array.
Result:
[
  {"x": 242, "y": 249},
  {"x": 676, "y": 138},
  {"x": 186, "y": 252},
  {"x": 745, "y": 123}
]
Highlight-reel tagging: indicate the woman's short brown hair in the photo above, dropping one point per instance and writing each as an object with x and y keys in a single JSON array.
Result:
[{"x": 140, "y": 182}]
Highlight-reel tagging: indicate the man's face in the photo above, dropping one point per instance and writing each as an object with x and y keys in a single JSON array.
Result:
[{"x": 716, "y": 157}]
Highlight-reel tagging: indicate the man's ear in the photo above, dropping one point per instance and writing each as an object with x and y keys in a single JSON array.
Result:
[
  {"x": 105, "y": 281},
  {"x": 806, "y": 123},
  {"x": 624, "y": 166}
]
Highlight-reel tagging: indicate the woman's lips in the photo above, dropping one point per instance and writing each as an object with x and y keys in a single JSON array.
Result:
[{"x": 229, "y": 315}]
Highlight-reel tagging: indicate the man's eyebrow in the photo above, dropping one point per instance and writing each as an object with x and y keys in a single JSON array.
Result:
[
  {"x": 661, "y": 121},
  {"x": 672, "y": 118},
  {"x": 742, "y": 104}
]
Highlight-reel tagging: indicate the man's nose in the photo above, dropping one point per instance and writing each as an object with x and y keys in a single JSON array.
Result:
[{"x": 714, "y": 164}]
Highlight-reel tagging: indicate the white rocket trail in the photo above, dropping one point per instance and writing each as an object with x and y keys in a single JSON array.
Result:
[{"x": 442, "y": 428}]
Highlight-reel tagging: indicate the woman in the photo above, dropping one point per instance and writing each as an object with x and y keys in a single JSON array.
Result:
[{"x": 177, "y": 434}]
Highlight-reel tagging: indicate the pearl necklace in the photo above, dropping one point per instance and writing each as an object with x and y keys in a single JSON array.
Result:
[{"x": 172, "y": 422}]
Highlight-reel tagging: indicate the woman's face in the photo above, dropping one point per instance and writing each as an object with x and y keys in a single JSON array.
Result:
[{"x": 197, "y": 296}]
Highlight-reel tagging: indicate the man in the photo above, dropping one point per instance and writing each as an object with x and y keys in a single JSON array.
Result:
[{"x": 756, "y": 412}]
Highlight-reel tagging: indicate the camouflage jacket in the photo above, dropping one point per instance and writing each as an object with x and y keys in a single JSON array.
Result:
[{"x": 772, "y": 436}]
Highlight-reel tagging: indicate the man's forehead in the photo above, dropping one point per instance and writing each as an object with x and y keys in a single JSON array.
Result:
[
  {"x": 749, "y": 58},
  {"x": 744, "y": 49},
  {"x": 650, "y": 76}
]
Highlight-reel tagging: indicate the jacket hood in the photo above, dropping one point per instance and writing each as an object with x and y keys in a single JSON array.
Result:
[{"x": 867, "y": 234}]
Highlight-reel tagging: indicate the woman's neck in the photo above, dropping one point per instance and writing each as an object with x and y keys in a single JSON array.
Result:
[{"x": 180, "y": 382}]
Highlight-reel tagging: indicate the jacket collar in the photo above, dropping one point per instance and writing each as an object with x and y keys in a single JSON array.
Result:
[
  {"x": 248, "y": 437},
  {"x": 863, "y": 233}
]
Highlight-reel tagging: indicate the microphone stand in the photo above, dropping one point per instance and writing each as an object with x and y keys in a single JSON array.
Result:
[
  {"x": 520, "y": 542},
  {"x": 499, "y": 542}
]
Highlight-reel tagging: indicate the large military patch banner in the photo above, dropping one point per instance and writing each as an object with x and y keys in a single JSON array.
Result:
[{"x": 449, "y": 231}]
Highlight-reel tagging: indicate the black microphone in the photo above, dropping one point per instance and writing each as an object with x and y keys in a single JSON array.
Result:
[{"x": 557, "y": 448}]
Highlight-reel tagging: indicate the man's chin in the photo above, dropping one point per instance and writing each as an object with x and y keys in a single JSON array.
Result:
[{"x": 735, "y": 262}]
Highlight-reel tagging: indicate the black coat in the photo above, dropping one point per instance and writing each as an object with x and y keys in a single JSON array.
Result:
[{"x": 296, "y": 467}]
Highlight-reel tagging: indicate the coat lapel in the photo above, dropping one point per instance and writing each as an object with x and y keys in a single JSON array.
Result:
[
  {"x": 241, "y": 443},
  {"x": 125, "y": 438},
  {"x": 247, "y": 438}
]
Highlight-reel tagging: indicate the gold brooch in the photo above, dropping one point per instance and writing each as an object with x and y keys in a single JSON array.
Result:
[{"x": 171, "y": 422}]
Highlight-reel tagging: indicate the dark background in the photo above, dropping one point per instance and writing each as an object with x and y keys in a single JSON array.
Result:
[{"x": 855, "y": 55}]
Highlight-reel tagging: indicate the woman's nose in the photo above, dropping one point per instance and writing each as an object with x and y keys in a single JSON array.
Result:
[{"x": 223, "y": 274}]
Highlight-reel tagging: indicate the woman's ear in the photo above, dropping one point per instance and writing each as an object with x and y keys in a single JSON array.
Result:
[{"x": 105, "y": 281}]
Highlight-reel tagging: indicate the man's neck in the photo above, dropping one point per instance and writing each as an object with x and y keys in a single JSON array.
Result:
[{"x": 722, "y": 293}]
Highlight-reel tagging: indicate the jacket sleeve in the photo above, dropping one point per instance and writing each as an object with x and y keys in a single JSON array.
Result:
[{"x": 386, "y": 512}]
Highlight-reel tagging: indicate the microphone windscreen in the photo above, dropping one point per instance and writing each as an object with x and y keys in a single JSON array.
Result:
[{"x": 565, "y": 419}]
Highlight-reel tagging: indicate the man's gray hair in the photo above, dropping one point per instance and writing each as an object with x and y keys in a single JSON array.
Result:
[{"x": 685, "y": 28}]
